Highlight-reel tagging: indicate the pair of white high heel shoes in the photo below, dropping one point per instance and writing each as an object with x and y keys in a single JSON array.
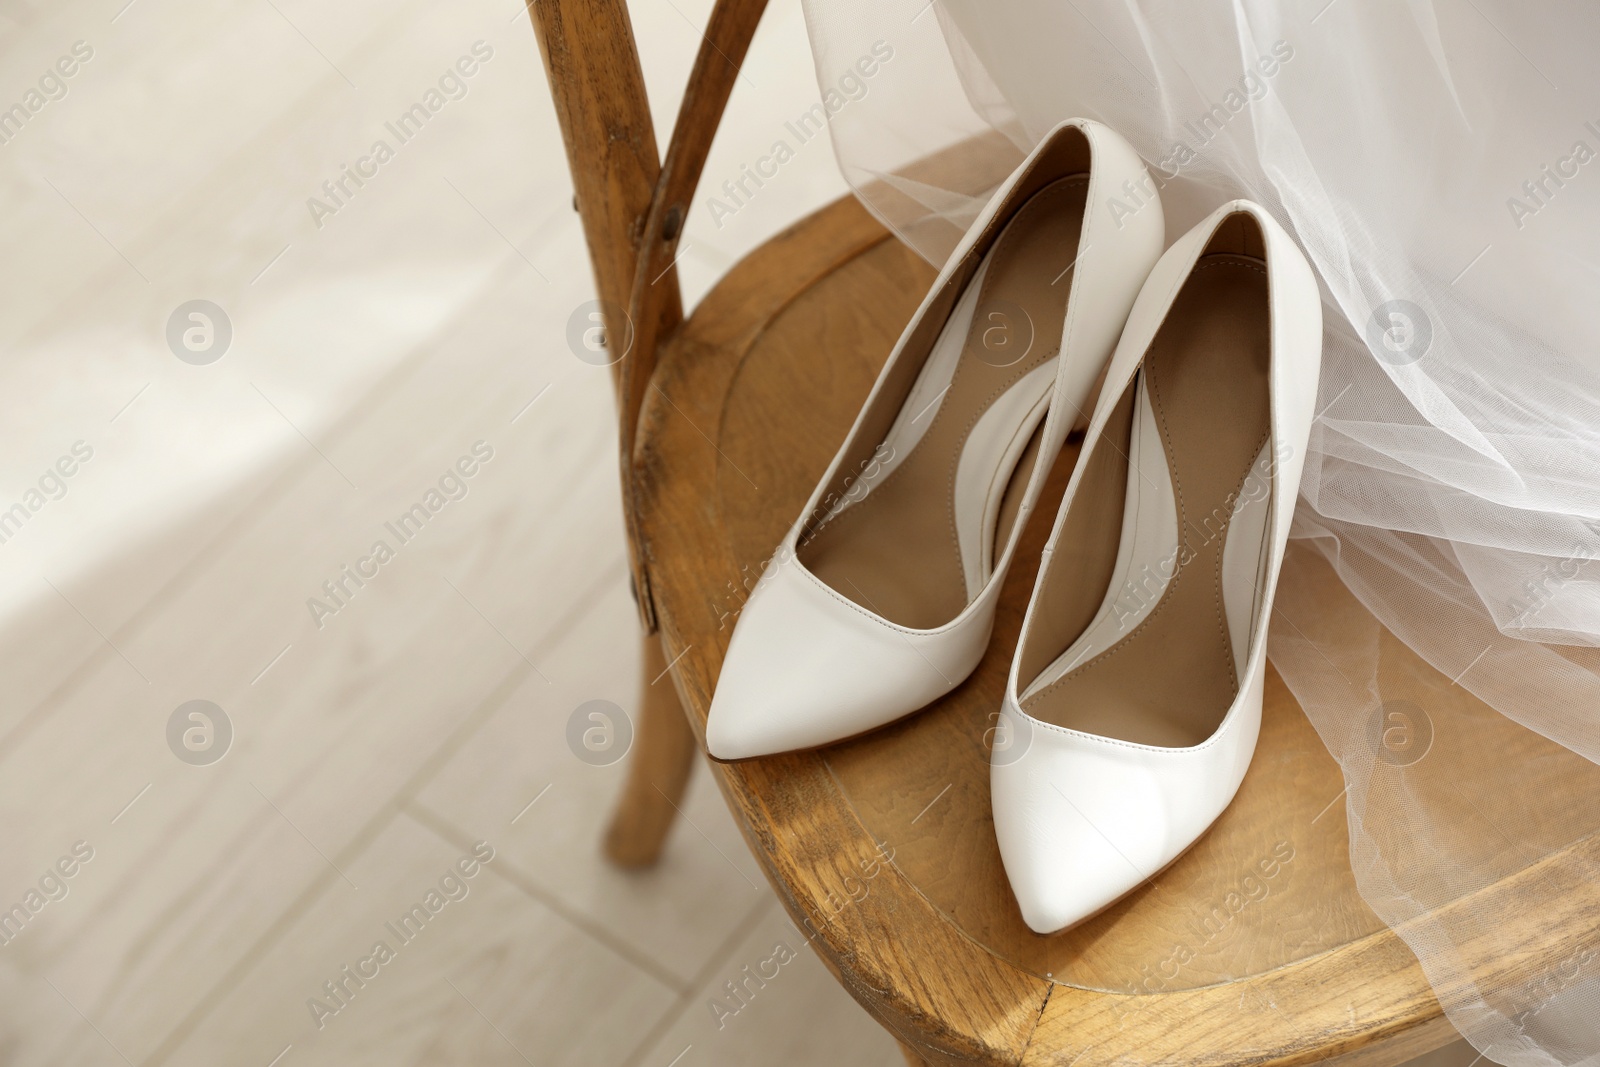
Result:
[{"x": 1134, "y": 700}]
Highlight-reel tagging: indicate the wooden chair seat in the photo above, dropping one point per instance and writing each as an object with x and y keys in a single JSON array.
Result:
[{"x": 1255, "y": 947}]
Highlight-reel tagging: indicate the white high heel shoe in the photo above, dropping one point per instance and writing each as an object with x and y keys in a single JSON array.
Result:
[
  {"x": 881, "y": 598},
  {"x": 1134, "y": 701}
]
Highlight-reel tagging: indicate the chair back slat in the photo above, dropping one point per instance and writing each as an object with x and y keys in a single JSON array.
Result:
[
  {"x": 633, "y": 207},
  {"x": 598, "y": 89}
]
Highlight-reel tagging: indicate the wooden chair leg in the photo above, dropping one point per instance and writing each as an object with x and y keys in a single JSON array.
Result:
[
  {"x": 658, "y": 770},
  {"x": 912, "y": 1059}
]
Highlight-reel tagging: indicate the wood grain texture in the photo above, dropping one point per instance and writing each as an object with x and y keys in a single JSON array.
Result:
[
  {"x": 598, "y": 88},
  {"x": 633, "y": 205},
  {"x": 654, "y": 306},
  {"x": 1255, "y": 947}
]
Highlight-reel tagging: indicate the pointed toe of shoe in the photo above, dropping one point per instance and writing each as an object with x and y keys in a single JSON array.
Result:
[
  {"x": 1081, "y": 821},
  {"x": 1066, "y": 873},
  {"x": 779, "y": 695},
  {"x": 754, "y": 713},
  {"x": 807, "y": 668},
  {"x": 1051, "y": 902},
  {"x": 1069, "y": 856}
]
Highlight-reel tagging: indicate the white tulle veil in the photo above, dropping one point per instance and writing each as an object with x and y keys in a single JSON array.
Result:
[{"x": 1439, "y": 614}]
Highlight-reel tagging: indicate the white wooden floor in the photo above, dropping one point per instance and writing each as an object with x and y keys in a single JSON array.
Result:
[{"x": 230, "y": 912}]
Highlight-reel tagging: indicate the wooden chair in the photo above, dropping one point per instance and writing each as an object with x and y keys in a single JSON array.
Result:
[{"x": 1254, "y": 948}]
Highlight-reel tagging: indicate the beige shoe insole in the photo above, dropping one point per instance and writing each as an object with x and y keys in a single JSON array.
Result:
[
  {"x": 1171, "y": 679},
  {"x": 896, "y": 551}
]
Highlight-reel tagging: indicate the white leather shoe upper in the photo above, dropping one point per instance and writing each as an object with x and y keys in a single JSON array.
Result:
[
  {"x": 1082, "y": 818},
  {"x": 808, "y": 666}
]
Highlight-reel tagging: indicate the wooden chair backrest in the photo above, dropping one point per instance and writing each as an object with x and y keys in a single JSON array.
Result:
[{"x": 632, "y": 202}]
